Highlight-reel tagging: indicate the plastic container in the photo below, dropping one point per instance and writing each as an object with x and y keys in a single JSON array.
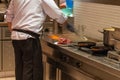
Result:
[{"x": 69, "y": 4}]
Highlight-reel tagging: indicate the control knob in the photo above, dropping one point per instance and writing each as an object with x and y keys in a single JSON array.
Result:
[{"x": 78, "y": 64}]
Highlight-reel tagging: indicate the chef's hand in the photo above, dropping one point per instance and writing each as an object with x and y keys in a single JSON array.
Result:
[{"x": 9, "y": 26}]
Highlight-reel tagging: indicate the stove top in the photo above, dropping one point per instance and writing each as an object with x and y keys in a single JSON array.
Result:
[
  {"x": 110, "y": 54},
  {"x": 114, "y": 55},
  {"x": 90, "y": 47}
]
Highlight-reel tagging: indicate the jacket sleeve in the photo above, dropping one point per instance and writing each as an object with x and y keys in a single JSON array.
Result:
[
  {"x": 9, "y": 12},
  {"x": 53, "y": 11}
]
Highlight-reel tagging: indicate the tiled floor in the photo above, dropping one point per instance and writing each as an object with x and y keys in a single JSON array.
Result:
[{"x": 9, "y": 78}]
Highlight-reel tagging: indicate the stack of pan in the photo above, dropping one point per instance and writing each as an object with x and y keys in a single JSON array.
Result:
[{"x": 94, "y": 49}]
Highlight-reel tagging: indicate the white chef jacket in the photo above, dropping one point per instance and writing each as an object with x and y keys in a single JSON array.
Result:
[{"x": 30, "y": 15}]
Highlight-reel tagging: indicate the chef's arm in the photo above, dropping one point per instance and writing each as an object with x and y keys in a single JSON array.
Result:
[
  {"x": 9, "y": 26},
  {"x": 53, "y": 11},
  {"x": 9, "y": 15}
]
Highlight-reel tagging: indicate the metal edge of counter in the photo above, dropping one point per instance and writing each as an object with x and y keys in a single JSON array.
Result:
[
  {"x": 93, "y": 62},
  {"x": 3, "y": 24}
]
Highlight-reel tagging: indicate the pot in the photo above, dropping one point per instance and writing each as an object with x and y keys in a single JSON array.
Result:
[{"x": 108, "y": 36}]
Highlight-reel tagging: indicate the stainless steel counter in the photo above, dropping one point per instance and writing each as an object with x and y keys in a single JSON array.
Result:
[
  {"x": 102, "y": 67},
  {"x": 6, "y": 52},
  {"x": 3, "y": 24}
]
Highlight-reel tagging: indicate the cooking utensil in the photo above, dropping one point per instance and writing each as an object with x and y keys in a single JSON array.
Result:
[
  {"x": 86, "y": 44},
  {"x": 108, "y": 39},
  {"x": 99, "y": 50},
  {"x": 116, "y": 34},
  {"x": 96, "y": 50}
]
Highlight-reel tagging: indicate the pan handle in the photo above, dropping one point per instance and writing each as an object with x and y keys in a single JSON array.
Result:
[{"x": 86, "y": 50}]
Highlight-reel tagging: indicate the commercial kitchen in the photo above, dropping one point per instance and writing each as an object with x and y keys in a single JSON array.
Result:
[{"x": 92, "y": 52}]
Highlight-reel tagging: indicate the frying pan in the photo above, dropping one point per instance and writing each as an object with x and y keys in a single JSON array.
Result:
[
  {"x": 97, "y": 50},
  {"x": 86, "y": 44}
]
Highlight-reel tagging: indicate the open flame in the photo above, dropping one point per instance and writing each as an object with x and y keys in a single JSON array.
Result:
[{"x": 55, "y": 37}]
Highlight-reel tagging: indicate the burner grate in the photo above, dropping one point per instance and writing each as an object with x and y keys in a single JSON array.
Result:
[{"x": 114, "y": 55}]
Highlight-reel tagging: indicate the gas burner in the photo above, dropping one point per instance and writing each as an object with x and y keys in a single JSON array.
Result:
[
  {"x": 96, "y": 50},
  {"x": 114, "y": 55},
  {"x": 72, "y": 45}
]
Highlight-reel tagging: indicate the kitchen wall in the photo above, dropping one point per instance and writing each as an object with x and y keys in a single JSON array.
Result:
[{"x": 96, "y": 15}]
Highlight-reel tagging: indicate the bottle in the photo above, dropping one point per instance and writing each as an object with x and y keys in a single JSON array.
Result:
[{"x": 69, "y": 4}]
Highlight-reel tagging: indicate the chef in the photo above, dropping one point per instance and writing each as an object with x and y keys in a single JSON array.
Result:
[{"x": 25, "y": 20}]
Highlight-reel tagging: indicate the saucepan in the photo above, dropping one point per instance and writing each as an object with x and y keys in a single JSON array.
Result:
[{"x": 108, "y": 36}]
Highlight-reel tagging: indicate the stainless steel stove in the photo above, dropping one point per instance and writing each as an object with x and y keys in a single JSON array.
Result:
[
  {"x": 6, "y": 50},
  {"x": 115, "y": 55},
  {"x": 69, "y": 63}
]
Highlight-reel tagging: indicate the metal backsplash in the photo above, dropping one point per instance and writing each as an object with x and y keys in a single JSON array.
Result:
[
  {"x": 95, "y": 16},
  {"x": 111, "y": 2}
]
